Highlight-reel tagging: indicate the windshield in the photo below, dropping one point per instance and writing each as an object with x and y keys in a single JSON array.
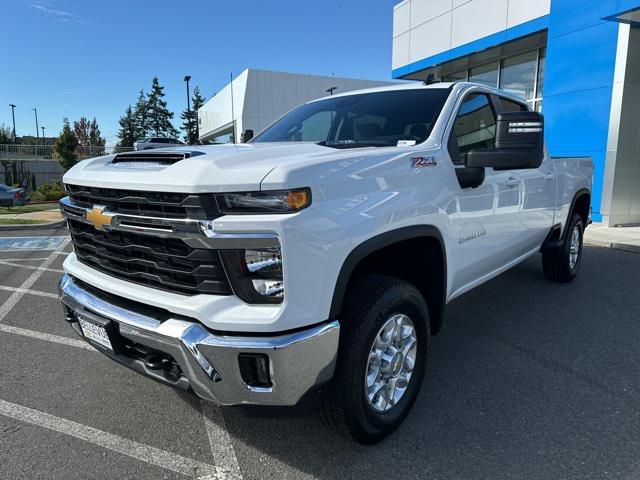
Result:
[{"x": 377, "y": 119}]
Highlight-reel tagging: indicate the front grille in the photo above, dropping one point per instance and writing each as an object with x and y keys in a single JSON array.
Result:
[
  {"x": 164, "y": 263},
  {"x": 149, "y": 204}
]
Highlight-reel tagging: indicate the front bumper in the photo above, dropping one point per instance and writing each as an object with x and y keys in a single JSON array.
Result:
[{"x": 205, "y": 362}]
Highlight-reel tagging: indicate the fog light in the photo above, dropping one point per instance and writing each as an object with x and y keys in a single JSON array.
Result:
[
  {"x": 255, "y": 274},
  {"x": 254, "y": 369}
]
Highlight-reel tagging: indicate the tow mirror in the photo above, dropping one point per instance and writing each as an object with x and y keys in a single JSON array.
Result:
[
  {"x": 519, "y": 143},
  {"x": 246, "y": 136}
]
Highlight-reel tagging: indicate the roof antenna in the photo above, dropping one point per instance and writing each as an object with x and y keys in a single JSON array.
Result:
[{"x": 431, "y": 78}]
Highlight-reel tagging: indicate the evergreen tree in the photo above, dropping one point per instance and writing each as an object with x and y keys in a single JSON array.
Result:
[
  {"x": 190, "y": 119},
  {"x": 65, "y": 146},
  {"x": 158, "y": 114},
  {"x": 141, "y": 117},
  {"x": 128, "y": 129},
  {"x": 95, "y": 139}
]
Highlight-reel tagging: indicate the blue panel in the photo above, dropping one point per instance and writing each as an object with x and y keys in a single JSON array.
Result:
[
  {"x": 498, "y": 38},
  {"x": 577, "y": 121},
  {"x": 612, "y": 8},
  {"x": 582, "y": 59},
  {"x": 581, "y": 54}
]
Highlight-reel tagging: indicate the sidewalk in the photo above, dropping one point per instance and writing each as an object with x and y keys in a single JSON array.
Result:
[
  {"x": 622, "y": 238},
  {"x": 52, "y": 215}
]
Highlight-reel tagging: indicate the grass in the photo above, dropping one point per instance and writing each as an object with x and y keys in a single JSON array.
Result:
[
  {"x": 19, "y": 221},
  {"x": 39, "y": 207}
]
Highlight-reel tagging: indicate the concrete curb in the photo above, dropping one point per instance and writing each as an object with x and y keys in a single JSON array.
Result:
[
  {"x": 35, "y": 226},
  {"x": 618, "y": 246}
]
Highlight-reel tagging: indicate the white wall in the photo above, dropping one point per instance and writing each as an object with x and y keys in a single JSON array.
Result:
[
  {"x": 423, "y": 28},
  {"x": 262, "y": 96}
]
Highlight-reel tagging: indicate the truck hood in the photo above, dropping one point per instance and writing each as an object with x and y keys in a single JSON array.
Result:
[{"x": 211, "y": 168}]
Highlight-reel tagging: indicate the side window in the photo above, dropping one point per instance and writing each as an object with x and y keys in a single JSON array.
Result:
[
  {"x": 511, "y": 106},
  {"x": 474, "y": 127}
]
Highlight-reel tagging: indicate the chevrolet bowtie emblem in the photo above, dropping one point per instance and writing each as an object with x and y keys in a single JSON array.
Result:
[{"x": 98, "y": 218}]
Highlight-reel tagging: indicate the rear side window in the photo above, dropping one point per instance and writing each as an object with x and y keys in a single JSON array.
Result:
[
  {"x": 507, "y": 105},
  {"x": 475, "y": 126}
]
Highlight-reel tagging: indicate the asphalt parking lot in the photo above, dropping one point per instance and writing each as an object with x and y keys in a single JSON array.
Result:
[{"x": 527, "y": 380}]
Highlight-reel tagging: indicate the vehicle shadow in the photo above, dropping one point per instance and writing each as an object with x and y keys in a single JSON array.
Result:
[{"x": 528, "y": 379}]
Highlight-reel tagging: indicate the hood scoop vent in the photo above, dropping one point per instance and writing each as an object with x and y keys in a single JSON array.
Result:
[{"x": 151, "y": 159}]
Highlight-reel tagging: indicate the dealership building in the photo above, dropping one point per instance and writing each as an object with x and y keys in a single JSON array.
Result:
[
  {"x": 255, "y": 98},
  {"x": 577, "y": 61}
]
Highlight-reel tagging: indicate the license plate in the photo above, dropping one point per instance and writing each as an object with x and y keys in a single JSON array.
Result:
[{"x": 95, "y": 332}]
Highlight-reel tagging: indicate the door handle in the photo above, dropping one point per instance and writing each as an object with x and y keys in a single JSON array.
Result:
[
  {"x": 549, "y": 176},
  {"x": 512, "y": 182}
]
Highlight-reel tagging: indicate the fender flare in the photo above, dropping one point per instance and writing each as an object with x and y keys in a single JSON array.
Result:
[
  {"x": 378, "y": 242},
  {"x": 576, "y": 196}
]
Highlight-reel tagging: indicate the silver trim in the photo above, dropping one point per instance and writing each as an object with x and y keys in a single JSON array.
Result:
[
  {"x": 298, "y": 361},
  {"x": 196, "y": 233}
]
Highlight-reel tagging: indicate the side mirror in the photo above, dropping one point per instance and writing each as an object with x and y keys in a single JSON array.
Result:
[
  {"x": 519, "y": 143},
  {"x": 246, "y": 136}
]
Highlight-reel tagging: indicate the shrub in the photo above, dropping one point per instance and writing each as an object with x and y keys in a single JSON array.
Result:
[{"x": 49, "y": 191}]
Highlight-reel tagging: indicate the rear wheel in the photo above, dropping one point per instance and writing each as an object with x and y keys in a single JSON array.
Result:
[
  {"x": 562, "y": 264},
  {"x": 381, "y": 361}
]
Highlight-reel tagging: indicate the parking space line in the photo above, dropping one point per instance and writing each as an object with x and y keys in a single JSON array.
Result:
[
  {"x": 221, "y": 447},
  {"x": 139, "y": 451},
  {"x": 26, "y": 290},
  {"x": 46, "y": 336},
  {"x": 15, "y": 297},
  {"x": 37, "y": 259},
  {"x": 30, "y": 267}
]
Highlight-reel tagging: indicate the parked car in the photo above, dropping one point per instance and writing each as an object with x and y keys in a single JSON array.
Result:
[
  {"x": 313, "y": 264},
  {"x": 12, "y": 197},
  {"x": 157, "y": 142}
]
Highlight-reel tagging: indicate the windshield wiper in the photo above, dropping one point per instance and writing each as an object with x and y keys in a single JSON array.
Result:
[{"x": 355, "y": 143}]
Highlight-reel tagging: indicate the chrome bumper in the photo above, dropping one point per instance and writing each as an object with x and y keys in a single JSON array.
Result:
[{"x": 298, "y": 362}]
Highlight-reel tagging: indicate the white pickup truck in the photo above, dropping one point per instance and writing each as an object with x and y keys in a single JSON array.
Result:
[{"x": 311, "y": 265}]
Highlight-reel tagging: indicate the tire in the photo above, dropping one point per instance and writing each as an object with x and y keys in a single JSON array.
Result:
[
  {"x": 558, "y": 265},
  {"x": 371, "y": 303}
]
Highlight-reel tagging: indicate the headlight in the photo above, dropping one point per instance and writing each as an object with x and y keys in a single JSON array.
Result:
[
  {"x": 255, "y": 274},
  {"x": 274, "y": 201}
]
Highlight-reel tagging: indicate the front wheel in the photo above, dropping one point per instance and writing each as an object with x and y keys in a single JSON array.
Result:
[
  {"x": 562, "y": 264},
  {"x": 381, "y": 360}
]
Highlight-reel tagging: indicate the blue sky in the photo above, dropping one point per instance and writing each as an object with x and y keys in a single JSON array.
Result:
[{"x": 71, "y": 58}]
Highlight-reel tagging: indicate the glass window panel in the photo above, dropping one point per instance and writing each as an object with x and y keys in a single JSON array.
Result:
[
  {"x": 511, "y": 106},
  {"x": 541, "y": 64},
  {"x": 475, "y": 125},
  {"x": 518, "y": 74},
  {"x": 485, "y": 74},
  {"x": 455, "y": 76}
]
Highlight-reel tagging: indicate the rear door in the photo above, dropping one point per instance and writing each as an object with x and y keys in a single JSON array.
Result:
[{"x": 538, "y": 190}]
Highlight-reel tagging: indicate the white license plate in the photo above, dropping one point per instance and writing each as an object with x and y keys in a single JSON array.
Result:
[{"x": 95, "y": 332}]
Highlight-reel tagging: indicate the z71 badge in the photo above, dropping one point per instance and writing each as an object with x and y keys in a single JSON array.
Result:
[{"x": 419, "y": 162}]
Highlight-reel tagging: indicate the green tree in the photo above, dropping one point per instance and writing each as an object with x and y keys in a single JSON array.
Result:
[
  {"x": 65, "y": 147},
  {"x": 141, "y": 117},
  {"x": 190, "y": 119},
  {"x": 81, "y": 131},
  {"x": 158, "y": 113},
  {"x": 95, "y": 138},
  {"x": 128, "y": 129},
  {"x": 6, "y": 134}
]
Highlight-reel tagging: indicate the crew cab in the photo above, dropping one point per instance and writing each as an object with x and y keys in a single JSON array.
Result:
[{"x": 311, "y": 266}]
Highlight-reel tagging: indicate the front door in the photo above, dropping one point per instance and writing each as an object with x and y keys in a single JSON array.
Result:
[{"x": 486, "y": 220}]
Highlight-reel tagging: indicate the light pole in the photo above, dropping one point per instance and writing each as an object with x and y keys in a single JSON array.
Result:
[
  {"x": 13, "y": 116},
  {"x": 35, "y": 110},
  {"x": 43, "y": 142},
  {"x": 186, "y": 79}
]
